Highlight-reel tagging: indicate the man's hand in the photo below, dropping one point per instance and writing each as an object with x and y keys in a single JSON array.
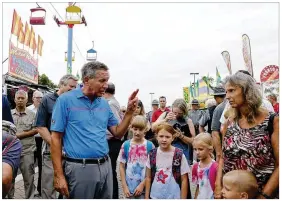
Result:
[
  {"x": 138, "y": 191},
  {"x": 60, "y": 185},
  {"x": 132, "y": 102}
]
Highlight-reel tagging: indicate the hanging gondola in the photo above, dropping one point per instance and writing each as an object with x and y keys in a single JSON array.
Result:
[
  {"x": 37, "y": 16},
  {"x": 73, "y": 15},
  {"x": 66, "y": 56},
  {"x": 91, "y": 54}
]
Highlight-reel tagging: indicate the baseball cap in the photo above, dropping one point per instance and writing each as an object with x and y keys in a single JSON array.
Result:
[
  {"x": 155, "y": 102},
  {"x": 195, "y": 102},
  {"x": 218, "y": 91}
]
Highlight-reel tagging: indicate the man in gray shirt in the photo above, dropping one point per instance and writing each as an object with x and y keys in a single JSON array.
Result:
[
  {"x": 43, "y": 124},
  {"x": 24, "y": 119},
  {"x": 219, "y": 96},
  {"x": 195, "y": 114},
  {"x": 113, "y": 142},
  {"x": 215, "y": 127}
]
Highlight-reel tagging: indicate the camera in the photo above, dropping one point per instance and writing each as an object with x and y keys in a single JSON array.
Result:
[
  {"x": 183, "y": 128},
  {"x": 177, "y": 126}
]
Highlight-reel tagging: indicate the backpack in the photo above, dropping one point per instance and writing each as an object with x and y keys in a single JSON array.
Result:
[
  {"x": 10, "y": 130},
  {"x": 176, "y": 164},
  {"x": 7, "y": 143},
  {"x": 126, "y": 146},
  {"x": 8, "y": 139},
  {"x": 176, "y": 167},
  {"x": 212, "y": 173}
]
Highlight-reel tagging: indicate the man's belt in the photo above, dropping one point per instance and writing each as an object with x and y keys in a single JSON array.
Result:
[{"x": 88, "y": 161}]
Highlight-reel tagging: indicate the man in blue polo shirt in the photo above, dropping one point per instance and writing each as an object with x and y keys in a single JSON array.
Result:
[{"x": 80, "y": 120}]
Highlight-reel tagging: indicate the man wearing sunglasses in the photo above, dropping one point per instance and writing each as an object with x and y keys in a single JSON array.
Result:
[{"x": 36, "y": 98}]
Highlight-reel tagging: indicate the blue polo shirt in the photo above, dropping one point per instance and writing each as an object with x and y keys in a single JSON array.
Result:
[{"x": 83, "y": 123}]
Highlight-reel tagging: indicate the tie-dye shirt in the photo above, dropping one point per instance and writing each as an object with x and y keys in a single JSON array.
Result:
[
  {"x": 135, "y": 165},
  {"x": 202, "y": 179},
  {"x": 164, "y": 185}
]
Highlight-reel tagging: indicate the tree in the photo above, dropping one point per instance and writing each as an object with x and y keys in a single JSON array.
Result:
[
  {"x": 44, "y": 80},
  {"x": 208, "y": 80}
]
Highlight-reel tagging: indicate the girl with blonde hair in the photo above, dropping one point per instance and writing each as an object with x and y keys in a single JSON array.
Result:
[{"x": 204, "y": 172}]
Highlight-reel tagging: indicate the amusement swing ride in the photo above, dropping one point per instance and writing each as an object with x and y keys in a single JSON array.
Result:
[
  {"x": 91, "y": 54},
  {"x": 73, "y": 16},
  {"x": 37, "y": 16}
]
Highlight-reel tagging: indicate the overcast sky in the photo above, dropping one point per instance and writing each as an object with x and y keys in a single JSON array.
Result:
[{"x": 155, "y": 46}]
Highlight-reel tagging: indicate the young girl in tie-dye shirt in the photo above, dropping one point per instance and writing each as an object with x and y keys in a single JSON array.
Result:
[{"x": 132, "y": 158}]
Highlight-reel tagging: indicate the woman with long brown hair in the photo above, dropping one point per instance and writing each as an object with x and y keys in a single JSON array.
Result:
[{"x": 251, "y": 137}]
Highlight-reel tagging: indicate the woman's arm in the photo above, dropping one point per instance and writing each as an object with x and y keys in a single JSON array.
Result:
[
  {"x": 219, "y": 159},
  {"x": 161, "y": 119},
  {"x": 191, "y": 127},
  {"x": 148, "y": 183},
  {"x": 273, "y": 182},
  {"x": 184, "y": 186},
  {"x": 197, "y": 192},
  {"x": 218, "y": 181},
  {"x": 185, "y": 139}
]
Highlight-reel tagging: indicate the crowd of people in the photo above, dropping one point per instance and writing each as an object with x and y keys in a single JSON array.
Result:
[{"x": 87, "y": 146}]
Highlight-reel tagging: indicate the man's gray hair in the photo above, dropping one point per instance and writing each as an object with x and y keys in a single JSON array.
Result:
[
  {"x": 64, "y": 80},
  {"x": 89, "y": 69},
  {"x": 21, "y": 92},
  {"x": 37, "y": 92},
  {"x": 210, "y": 103}
]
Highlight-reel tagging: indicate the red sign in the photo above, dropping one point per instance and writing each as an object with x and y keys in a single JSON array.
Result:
[
  {"x": 269, "y": 73},
  {"x": 23, "y": 65}
]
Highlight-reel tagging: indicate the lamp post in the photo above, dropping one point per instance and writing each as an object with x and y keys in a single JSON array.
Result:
[{"x": 152, "y": 96}]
